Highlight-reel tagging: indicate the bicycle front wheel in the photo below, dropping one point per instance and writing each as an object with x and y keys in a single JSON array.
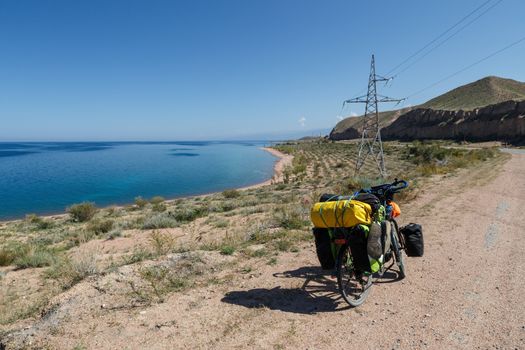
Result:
[
  {"x": 398, "y": 252},
  {"x": 354, "y": 285}
]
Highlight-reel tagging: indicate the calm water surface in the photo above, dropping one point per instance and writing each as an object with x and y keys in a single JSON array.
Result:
[{"x": 45, "y": 178}]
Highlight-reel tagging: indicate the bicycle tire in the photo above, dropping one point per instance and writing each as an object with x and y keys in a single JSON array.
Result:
[
  {"x": 347, "y": 277},
  {"x": 398, "y": 252}
]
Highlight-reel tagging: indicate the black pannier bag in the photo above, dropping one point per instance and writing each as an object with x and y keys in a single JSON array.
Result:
[
  {"x": 358, "y": 247},
  {"x": 323, "y": 248},
  {"x": 414, "y": 245}
]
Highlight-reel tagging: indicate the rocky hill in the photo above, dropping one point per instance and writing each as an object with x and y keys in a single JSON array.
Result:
[
  {"x": 503, "y": 122},
  {"x": 466, "y": 100}
]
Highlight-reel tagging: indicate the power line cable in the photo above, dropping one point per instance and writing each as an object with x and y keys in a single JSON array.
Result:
[
  {"x": 447, "y": 39},
  {"x": 439, "y": 36},
  {"x": 434, "y": 40},
  {"x": 469, "y": 66}
]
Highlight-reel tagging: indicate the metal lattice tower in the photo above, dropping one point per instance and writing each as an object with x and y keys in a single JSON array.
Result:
[{"x": 371, "y": 144}]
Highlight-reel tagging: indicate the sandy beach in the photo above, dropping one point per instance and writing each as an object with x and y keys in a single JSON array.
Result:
[{"x": 283, "y": 161}]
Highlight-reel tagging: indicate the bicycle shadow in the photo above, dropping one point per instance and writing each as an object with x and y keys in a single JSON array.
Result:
[
  {"x": 390, "y": 276},
  {"x": 318, "y": 293}
]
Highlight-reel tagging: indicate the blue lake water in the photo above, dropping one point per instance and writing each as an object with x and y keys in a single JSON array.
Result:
[{"x": 45, "y": 178}]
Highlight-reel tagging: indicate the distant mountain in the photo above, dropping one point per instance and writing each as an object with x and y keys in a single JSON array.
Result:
[
  {"x": 484, "y": 92},
  {"x": 282, "y": 135}
]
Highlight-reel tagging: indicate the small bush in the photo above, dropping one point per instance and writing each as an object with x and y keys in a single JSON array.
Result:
[
  {"x": 289, "y": 217},
  {"x": 82, "y": 212},
  {"x": 162, "y": 243},
  {"x": 100, "y": 226},
  {"x": 35, "y": 257},
  {"x": 159, "y": 221},
  {"x": 39, "y": 222},
  {"x": 188, "y": 214},
  {"x": 12, "y": 251},
  {"x": 228, "y": 206},
  {"x": 299, "y": 163},
  {"x": 231, "y": 193},
  {"x": 156, "y": 200},
  {"x": 159, "y": 207},
  {"x": 158, "y": 281},
  {"x": 69, "y": 272},
  {"x": 134, "y": 223},
  {"x": 255, "y": 253},
  {"x": 114, "y": 234},
  {"x": 272, "y": 261},
  {"x": 138, "y": 254},
  {"x": 283, "y": 245},
  {"x": 220, "y": 223},
  {"x": 140, "y": 202},
  {"x": 227, "y": 250},
  {"x": 32, "y": 218},
  {"x": 45, "y": 224}
]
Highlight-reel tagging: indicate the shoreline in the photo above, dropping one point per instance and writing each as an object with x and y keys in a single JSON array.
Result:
[{"x": 278, "y": 168}]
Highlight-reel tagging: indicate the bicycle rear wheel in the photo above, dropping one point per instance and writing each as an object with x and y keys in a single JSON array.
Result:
[{"x": 354, "y": 285}]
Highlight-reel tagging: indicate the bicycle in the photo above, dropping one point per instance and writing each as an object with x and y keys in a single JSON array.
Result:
[{"x": 353, "y": 279}]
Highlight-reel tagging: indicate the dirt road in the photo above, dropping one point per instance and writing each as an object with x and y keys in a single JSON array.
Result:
[{"x": 466, "y": 292}]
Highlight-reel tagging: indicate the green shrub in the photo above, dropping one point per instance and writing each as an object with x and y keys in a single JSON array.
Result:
[
  {"x": 140, "y": 202},
  {"x": 157, "y": 200},
  {"x": 35, "y": 257},
  {"x": 82, "y": 212},
  {"x": 159, "y": 221},
  {"x": 228, "y": 206},
  {"x": 272, "y": 261},
  {"x": 220, "y": 223},
  {"x": 11, "y": 251},
  {"x": 289, "y": 217},
  {"x": 299, "y": 164},
  {"x": 231, "y": 193},
  {"x": 159, "y": 207},
  {"x": 39, "y": 222},
  {"x": 100, "y": 226},
  {"x": 227, "y": 250},
  {"x": 114, "y": 234},
  {"x": 138, "y": 254},
  {"x": 188, "y": 214},
  {"x": 158, "y": 281},
  {"x": 69, "y": 272}
]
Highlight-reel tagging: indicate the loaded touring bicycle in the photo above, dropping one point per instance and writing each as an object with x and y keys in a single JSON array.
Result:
[{"x": 358, "y": 236}]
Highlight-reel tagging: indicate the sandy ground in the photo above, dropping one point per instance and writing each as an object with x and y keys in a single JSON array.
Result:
[{"x": 465, "y": 293}]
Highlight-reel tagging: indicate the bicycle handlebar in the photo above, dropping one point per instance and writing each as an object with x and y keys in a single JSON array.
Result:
[
  {"x": 395, "y": 185},
  {"x": 385, "y": 191}
]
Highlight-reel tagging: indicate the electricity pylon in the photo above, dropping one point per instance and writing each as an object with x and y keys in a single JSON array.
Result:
[{"x": 371, "y": 144}]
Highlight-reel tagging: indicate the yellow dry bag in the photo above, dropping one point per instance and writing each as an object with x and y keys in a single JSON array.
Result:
[{"x": 342, "y": 213}]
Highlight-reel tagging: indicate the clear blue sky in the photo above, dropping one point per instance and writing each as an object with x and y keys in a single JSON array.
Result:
[{"x": 168, "y": 70}]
